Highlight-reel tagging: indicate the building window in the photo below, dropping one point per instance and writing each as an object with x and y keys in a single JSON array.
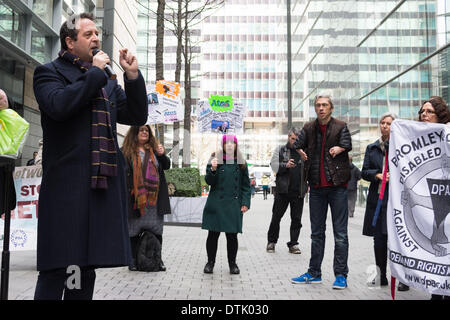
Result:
[
  {"x": 40, "y": 46},
  {"x": 44, "y": 9},
  {"x": 12, "y": 25}
]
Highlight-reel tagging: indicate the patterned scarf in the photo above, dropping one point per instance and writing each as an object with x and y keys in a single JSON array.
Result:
[
  {"x": 145, "y": 181},
  {"x": 103, "y": 149}
]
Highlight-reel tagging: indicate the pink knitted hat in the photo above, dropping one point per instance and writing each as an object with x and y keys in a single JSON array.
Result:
[{"x": 229, "y": 137}]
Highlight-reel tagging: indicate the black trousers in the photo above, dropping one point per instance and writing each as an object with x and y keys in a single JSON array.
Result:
[
  {"x": 380, "y": 241},
  {"x": 211, "y": 246},
  {"x": 265, "y": 192},
  {"x": 280, "y": 204},
  {"x": 52, "y": 285}
]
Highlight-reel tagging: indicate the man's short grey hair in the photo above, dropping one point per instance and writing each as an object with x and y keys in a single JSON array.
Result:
[
  {"x": 294, "y": 130},
  {"x": 326, "y": 96},
  {"x": 388, "y": 115}
]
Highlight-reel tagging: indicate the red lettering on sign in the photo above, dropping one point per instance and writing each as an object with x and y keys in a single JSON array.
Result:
[
  {"x": 25, "y": 209},
  {"x": 22, "y": 207},
  {"x": 32, "y": 189}
]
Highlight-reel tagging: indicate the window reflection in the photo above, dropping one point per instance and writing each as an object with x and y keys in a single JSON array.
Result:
[
  {"x": 12, "y": 25},
  {"x": 44, "y": 9},
  {"x": 40, "y": 47}
]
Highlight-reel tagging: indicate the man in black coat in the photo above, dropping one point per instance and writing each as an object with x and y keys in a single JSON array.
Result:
[
  {"x": 324, "y": 144},
  {"x": 291, "y": 189},
  {"x": 83, "y": 201},
  {"x": 31, "y": 162}
]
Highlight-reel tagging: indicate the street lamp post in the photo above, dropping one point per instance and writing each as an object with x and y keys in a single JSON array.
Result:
[{"x": 289, "y": 64}]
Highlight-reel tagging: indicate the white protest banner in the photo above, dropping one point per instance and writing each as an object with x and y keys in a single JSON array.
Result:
[
  {"x": 23, "y": 234},
  {"x": 217, "y": 115},
  {"x": 418, "y": 217},
  {"x": 165, "y": 103}
]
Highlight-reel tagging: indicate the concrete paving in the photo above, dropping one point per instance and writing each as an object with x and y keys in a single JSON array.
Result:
[{"x": 264, "y": 276}]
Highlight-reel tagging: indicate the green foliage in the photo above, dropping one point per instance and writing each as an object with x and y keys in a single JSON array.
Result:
[
  {"x": 186, "y": 182},
  {"x": 203, "y": 182}
]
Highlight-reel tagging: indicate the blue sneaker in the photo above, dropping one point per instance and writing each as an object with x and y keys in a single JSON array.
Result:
[
  {"x": 340, "y": 283},
  {"x": 306, "y": 278}
]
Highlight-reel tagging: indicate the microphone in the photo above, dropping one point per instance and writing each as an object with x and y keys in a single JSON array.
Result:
[{"x": 109, "y": 71}]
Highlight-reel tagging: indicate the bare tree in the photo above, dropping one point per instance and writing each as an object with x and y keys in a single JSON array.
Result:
[
  {"x": 183, "y": 20},
  {"x": 160, "y": 54},
  {"x": 176, "y": 124},
  {"x": 187, "y": 53}
]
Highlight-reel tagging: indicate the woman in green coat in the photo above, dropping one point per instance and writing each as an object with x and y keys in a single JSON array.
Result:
[{"x": 228, "y": 199}]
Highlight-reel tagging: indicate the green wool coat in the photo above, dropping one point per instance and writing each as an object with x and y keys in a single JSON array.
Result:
[{"x": 230, "y": 189}]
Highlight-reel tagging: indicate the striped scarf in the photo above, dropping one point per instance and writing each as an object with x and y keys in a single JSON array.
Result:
[
  {"x": 103, "y": 148},
  {"x": 145, "y": 181}
]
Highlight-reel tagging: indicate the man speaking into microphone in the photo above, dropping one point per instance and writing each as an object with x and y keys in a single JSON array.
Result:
[{"x": 83, "y": 201}]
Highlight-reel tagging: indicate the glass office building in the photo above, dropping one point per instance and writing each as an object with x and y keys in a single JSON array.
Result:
[
  {"x": 374, "y": 56},
  {"x": 371, "y": 56},
  {"x": 240, "y": 50}
]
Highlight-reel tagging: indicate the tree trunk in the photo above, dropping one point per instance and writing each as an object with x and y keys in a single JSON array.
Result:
[
  {"x": 160, "y": 40},
  {"x": 187, "y": 99},
  {"x": 160, "y": 55},
  {"x": 176, "y": 125}
]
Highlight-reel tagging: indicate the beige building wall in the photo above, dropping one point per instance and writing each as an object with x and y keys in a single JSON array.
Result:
[{"x": 28, "y": 95}]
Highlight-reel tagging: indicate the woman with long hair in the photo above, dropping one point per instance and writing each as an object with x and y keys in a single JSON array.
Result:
[
  {"x": 147, "y": 186},
  {"x": 228, "y": 200}
]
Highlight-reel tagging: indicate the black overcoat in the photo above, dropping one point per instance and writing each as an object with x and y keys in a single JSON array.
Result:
[
  {"x": 78, "y": 225},
  {"x": 373, "y": 164}
]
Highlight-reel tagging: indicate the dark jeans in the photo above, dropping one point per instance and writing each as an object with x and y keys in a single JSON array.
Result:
[
  {"x": 280, "y": 204},
  {"x": 319, "y": 199},
  {"x": 51, "y": 285},
  {"x": 211, "y": 246},
  {"x": 265, "y": 192}
]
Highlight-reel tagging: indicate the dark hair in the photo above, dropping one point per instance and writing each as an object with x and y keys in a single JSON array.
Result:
[
  {"x": 69, "y": 29},
  {"x": 237, "y": 155},
  {"x": 440, "y": 108},
  {"x": 130, "y": 143}
]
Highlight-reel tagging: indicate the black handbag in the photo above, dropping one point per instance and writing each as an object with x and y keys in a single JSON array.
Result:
[{"x": 148, "y": 256}]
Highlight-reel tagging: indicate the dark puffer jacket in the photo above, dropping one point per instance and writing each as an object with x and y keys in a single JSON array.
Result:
[
  {"x": 337, "y": 169},
  {"x": 288, "y": 179}
]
